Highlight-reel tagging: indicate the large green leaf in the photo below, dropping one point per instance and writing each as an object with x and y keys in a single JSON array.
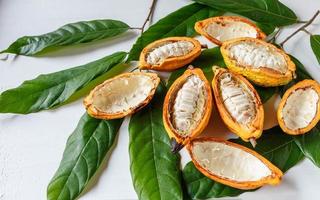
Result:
[
  {"x": 178, "y": 23},
  {"x": 85, "y": 150},
  {"x": 310, "y": 145},
  {"x": 274, "y": 145},
  {"x": 315, "y": 44},
  {"x": 206, "y": 60},
  {"x": 50, "y": 90},
  {"x": 154, "y": 169},
  {"x": 265, "y": 11},
  {"x": 74, "y": 33}
]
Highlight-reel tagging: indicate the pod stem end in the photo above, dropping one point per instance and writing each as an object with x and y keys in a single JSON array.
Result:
[
  {"x": 204, "y": 46},
  {"x": 175, "y": 146}
]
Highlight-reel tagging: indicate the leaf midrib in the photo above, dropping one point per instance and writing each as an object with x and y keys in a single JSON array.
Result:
[
  {"x": 51, "y": 43},
  {"x": 153, "y": 149}
]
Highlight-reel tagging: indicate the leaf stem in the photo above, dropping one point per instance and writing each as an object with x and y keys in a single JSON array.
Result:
[
  {"x": 306, "y": 31},
  {"x": 150, "y": 14},
  {"x": 301, "y": 28}
]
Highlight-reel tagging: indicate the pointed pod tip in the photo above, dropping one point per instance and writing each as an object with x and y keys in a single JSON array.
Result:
[
  {"x": 190, "y": 67},
  {"x": 253, "y": 142},
  {"x": 204, "y": 46}
]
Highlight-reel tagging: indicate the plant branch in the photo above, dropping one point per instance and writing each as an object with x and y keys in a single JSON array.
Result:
[
  {"x": 150, "y": 14},
  {"x": 301, "y": 28}
]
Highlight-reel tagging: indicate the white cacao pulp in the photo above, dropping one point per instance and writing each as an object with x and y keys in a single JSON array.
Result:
[
  {"x": 251, "y": 54},
  {"x": 230, "y": 29},
  {"x": 229, "y": 162},
  {"x": 188, "y": 107},
  {"x": 238, "y": 99},
  {"x": 167, "y": 50},
  {"x": 300, "y": 108},
  {"x": 123, "y": 93}
]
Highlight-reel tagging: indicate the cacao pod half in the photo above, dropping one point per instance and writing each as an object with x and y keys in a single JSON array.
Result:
[
  {"x": 223, "y": 28},
  {"x": 239, "y": 104},
  {"x": 262, "y": 63},
  {"x": 169, "y": 53},
  {"x": 232, "y": 164},
  {"x": 299, "y": 109},
  {"x": 187, "y": 107},
  {"x": 122, "y": 95}
]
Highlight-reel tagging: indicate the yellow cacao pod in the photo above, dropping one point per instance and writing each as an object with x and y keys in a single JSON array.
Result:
[
  {"x": 187, "y": 107},
  {"x": 122, "y": 95},
  {"x": 169, "y": 53},
  {"x": 223, "y": 28},
  {"x": 232, "y": 164},
  {"x": 262, "y": 63},
  {"x": 299, "y": 108},
  {"x": 239, "y": 104}
]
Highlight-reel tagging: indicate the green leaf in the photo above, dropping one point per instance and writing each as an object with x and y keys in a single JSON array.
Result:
[
  {"x": 86, "y": 148},
  {"x": 274, "y": 145},
  {"x": 315, "y": 45},
  {"x": 51, "y": 90},
  {"x": 310, "y": 145},
  {"x": 266, "y": 28},
  {"x": 178, "y": 23},
  {"x": 265, "y": 11},
  {"x": 74, "y": 33},
  {"x": 206, "y": 60},
  {"x": 154, "y": 169}
]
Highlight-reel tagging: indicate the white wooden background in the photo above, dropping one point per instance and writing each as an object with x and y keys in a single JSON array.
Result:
[{"x": 31, "y": 146}]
